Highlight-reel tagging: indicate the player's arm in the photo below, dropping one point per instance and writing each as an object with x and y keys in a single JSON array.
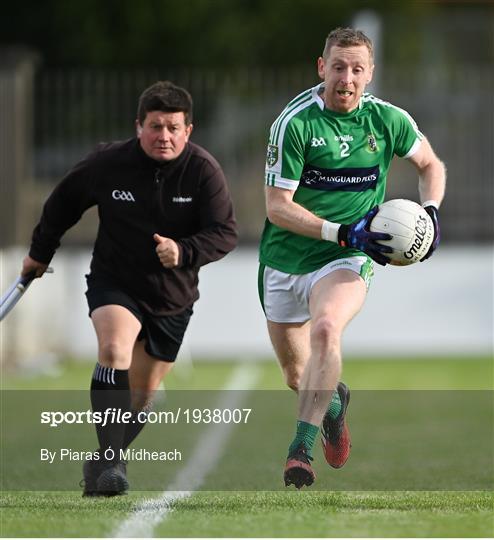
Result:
[
  {"x": 432, "y": 174},
  {"x": 284, "y": 212},
  {"x": 432, "y": 185},
  {"x": 63, "y": 209},
  {"x": 217, "y": 232}
]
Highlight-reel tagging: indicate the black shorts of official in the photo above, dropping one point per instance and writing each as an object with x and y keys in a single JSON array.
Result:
[{"x": 163, "y": 335}]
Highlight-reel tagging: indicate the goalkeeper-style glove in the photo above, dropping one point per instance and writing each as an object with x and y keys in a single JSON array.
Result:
[
  {"x": 358, "y": 235},
  {"x": 434, "y": 214}
]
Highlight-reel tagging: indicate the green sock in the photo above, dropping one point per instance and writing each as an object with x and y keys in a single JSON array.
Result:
[
  {"x": 334, "y": 408},
  {"x": 306, "y": 434}
]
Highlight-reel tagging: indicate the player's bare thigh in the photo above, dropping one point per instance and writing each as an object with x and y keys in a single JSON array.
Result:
[
  {"x": 291, "y": 344},
  {"x": 145, "y": 375},
  {"x": 117, "y": 330},
  {"x": 334, "y": 300}
]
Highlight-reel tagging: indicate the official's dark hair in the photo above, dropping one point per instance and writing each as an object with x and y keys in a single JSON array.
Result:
[
  {"x": 347, "y": 37},
  {"x": 166, "y": 97}
]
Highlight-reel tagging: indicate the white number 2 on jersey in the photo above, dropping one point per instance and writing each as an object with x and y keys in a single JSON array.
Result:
[{"x": 344, "y": 149}]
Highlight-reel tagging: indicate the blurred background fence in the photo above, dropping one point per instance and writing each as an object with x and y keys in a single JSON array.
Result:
[{"x": 72, "y": 110}]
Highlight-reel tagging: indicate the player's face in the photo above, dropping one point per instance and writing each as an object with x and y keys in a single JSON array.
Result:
[
  {"x": 346, "y": 72},
  {"x": 163, "y": 135}
]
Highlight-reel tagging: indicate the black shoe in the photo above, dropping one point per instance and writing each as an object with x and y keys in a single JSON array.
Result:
[
  {"x": 113, "y": 480},
  {"x": 298, "y": 470},
  {"x": 335, "y": 435},
  {"x": 91, "y": 470}
]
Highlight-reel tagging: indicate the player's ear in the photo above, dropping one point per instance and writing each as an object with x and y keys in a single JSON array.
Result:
[
  {"x": 138, "y": 128},
  {"x": 371, "y": 73},
  {"x": 188, "y": 131},
  {"x": 321, "y": 64}
]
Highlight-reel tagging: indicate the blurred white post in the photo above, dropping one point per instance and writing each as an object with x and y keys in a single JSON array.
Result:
[{"x": 371, "y": 25}]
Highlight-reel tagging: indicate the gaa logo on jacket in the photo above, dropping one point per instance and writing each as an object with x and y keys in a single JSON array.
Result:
[{"x": 122, "y": 195}]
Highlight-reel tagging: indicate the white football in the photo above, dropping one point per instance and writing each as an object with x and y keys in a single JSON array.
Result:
[{"x": 411, "y": 227}]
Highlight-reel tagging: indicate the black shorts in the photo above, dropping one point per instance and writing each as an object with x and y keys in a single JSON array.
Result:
[{"x": 163, "y": 335}]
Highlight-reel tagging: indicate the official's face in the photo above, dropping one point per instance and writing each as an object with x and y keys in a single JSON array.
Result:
[
  {"x": 163, "y": 135},
  {"x": 346, "y": 72}
]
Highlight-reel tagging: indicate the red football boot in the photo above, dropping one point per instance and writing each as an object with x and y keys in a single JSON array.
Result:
[
  {"x": 298, "y": 470},
  {"x": 335, "y": 435}
]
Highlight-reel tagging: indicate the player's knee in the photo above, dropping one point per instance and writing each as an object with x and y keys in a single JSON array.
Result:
[
  {"x": 114, "y": 354},
  {"x": 325, "y": 333},
  {"x": 292, "y": 381},
  {"x": 293, "y": 375}
]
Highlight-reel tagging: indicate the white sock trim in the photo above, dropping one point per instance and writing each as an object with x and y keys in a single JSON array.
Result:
[{"x": 104, "y": 374}]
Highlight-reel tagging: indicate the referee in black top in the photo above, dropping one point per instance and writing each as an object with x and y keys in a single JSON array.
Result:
[{"x": 164, "y": 211}]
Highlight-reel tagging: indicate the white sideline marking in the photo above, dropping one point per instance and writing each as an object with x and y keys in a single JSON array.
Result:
[{"x": 149, "y": 513}]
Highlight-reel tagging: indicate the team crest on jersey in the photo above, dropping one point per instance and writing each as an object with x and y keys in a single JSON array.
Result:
[
  {"x": 272, "y": 156},
  {"x": 371, "y": 143}
]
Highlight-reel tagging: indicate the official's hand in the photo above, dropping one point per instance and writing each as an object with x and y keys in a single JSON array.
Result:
[
  {"x": 434, "y": 214},
  {"x": 358, "y": 235},
  {"x": 167, "y": 251},
  {"x": 30, "y": 266}
]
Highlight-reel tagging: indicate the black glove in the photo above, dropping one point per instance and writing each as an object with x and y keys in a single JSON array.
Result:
[
  {"x": 358, "y": 235},
  {"x": 434, "y": 214}
]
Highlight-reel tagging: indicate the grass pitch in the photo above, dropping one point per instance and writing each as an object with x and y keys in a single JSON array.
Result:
[
  {"x": 264, "y": 514},
  {"x": 284, "y": 513}
]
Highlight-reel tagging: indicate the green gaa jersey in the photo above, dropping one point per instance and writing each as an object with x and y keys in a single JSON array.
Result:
[{"x": 337, "y": 164}]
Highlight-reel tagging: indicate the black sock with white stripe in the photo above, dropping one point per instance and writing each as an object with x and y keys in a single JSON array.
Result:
[{"x": 110, "y": 391}]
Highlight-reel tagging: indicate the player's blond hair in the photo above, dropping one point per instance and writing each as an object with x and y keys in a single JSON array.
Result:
[{"x": 347, "y": 37}]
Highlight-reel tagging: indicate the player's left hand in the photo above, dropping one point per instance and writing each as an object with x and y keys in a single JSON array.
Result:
[
  {"x": 167, "y": 251},
  {"x": 434, "y": 214}
]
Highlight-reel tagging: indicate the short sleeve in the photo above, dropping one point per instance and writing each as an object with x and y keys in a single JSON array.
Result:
[
  {"x": 407, "y": 136},
  {"x": 285, "y": 154}
]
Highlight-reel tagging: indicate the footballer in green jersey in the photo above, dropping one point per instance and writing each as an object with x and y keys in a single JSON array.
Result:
[
  {"x": 337, "y": 163},
  {"x": 328, "y": 159}
]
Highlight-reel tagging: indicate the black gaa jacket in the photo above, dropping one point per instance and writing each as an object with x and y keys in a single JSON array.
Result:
[{"x": 186, "y": 199}]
